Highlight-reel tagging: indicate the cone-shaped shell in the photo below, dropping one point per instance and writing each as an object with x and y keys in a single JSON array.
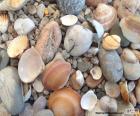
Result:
[
  {"x": 7, "y": 5},
  {"x": 56, "y": 74},
  {"x": 65, "y": 102},
  {"x": 131, "y": 28},
  {"x": 30, "y": 65},
  {"x": 17, "y": 46},
  {"x": 4, "y": 20},
  {"x": 106, "y": 15}
]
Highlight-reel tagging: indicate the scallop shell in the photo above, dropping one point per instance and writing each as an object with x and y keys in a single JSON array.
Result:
[
  {"x": 106, "y": 15},
  {"x": 67, "y": 100},
  {"x": 111, "y": 42},
  {"x": 4, "y": 20},
  {"x": 30, "y": 65},
  {"x": 7, "y": 5},
  {"x": 69, "y": 20},
  {"x": 88, "y": 100},
  {"x": 124, "y": 91},
  {"x": 96, "y": 72},
  {"x": 17, "y": 46},
  {"x": 131, "y": 28}
]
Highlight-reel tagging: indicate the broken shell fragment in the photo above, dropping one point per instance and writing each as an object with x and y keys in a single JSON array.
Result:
[
  {"x": 69, "y": 20},
  {"x": 56, "y": 74},
  {"x": 66, "y": 99},
  {"x": 17, "y": 46},
  {"x": 30, "y": 65},
  {"x": 96, "y": 72},
  {"x": 49, "y": 41},
  {"x": 77, "y": 80},
  {"x": 7, "y": 5},
  {"x": 106, "y": 15},
  {"x": 23, "y": 26},
  {"x": 4, "y": 20},
  {"x": 112, "y": 89},
  {"x": 78, "y": 40},
  {"x": 111, "y": 42},
  {"x": 130, "y": 27},
  {"x": 124, "y": 91},
  {"x": 137, "y": 92},
  {"x": 131, "y": 86},
  {"x": 108, "y": 104},
  {"x": 88, "y": 100}
]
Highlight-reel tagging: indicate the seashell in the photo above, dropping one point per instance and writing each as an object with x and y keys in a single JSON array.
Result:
[
  {"x": 10, "y": 87},
  {"x": 94, "y": 3},
  {"x": 128, "y": 7},
  {"x": 69, "y": 20},
  {"x": 49, "y": 41},
  {"x": 124, "y": 91},
  {"x": 74, "y": 42},
  {"x": 39, "y": 104},
  {"x": 108, "y": 104},
  {"x": 96, "y": 72},
  {"x": 88, "y": 100},
  {"x": 24, "y": 25},
  {"x": 131, "y": 70},
  {"x": 137, "y": 92},
  {"x": 38, "y": 86},
  {"x": 77, "y": 80},
  {"x": 112, "y": 89},
  {"x": 4, "y": 20},
  {"x": 116, "y": 4},
  {"x": 71, "y": 6},
  {"x": 3, "y": 111},
  {"x": 137, "y": 54},
  {"x": 17, "y": 46},
  {"x": 66, "y": 99},
  {"x": 93, "y": 83},
  {"x": 111, "y": 65},
  {"x": 129, "y": 56},
  {"x": 111, "y": 42},
  {"x": 106, "y": 15},
  {"x": 27, "y": 94},
  {"x": 131, "y": 86},
  {"x": 44, "y": 113},
  {"x": 9, "y": 5},
  {"x": 32, "y": 64},
  {"x": 130, "y": 27},
  {"x": 56, "y": 74},
  {"x": 135, "y": 46},
  {"x": 132, "y": 99}
]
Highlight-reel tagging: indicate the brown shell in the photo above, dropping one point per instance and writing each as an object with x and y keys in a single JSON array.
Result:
[
  {"x": 56, "y": 74},
  {"x": 106, "y": 15},
  {"x": 49, "y": 41},
  {"x": 95, "y": 2},
  {"x": 65, "y": 102}
]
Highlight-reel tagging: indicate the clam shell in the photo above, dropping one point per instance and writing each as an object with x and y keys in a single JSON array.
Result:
[
  {"x": 56, "y": 74},
  {"x": 131, "y": 28},
  {"x": 12, "y": 4},
  {"x": 17, "y": 46},
  {"x": 137, "y": 92},
  {"x": 10, "y": 87},
  {"x": 69, "y": 20},
  {"x": 106, "y": 15},
  {"x": 112, "y": 89},
  {"x": 4, "y": 20},
  {"x": 66, "y": 99},
  {"x": 74, "y": 42},
  {"x": 88, "y": 100},
  {"x": 23, "y": 26},
  {"x": 111, "y": 42},
  {"x": 30, "y": 65},
  {"x": 96, "y": 72},
  {"x": 49, "y": 41},
  {"x": 124, "y": 91},
  {"x": 38, "y": 86}
]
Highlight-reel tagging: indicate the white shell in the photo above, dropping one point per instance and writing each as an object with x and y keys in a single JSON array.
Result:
[
  {"x": 96, "y": 72},
  {"x": 38, "y": 86},
  {"x": 23, "y": 26},
  {"x": 80, "y": 78},
  {"x": 12, "y": 4},
  {"x": 69, "y": 20},
  {"x": 88, "y": 100},
  {"x": 4, "y": 20}
]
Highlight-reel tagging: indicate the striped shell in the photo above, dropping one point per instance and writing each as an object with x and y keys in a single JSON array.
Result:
[{"x": 4, "y": 20}]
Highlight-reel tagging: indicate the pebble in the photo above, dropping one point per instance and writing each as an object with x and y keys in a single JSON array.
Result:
[
  {"x": 40, "y": 10},
  {"x": 111, "y": 65},
  {"x": 32, "y": 9}
]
